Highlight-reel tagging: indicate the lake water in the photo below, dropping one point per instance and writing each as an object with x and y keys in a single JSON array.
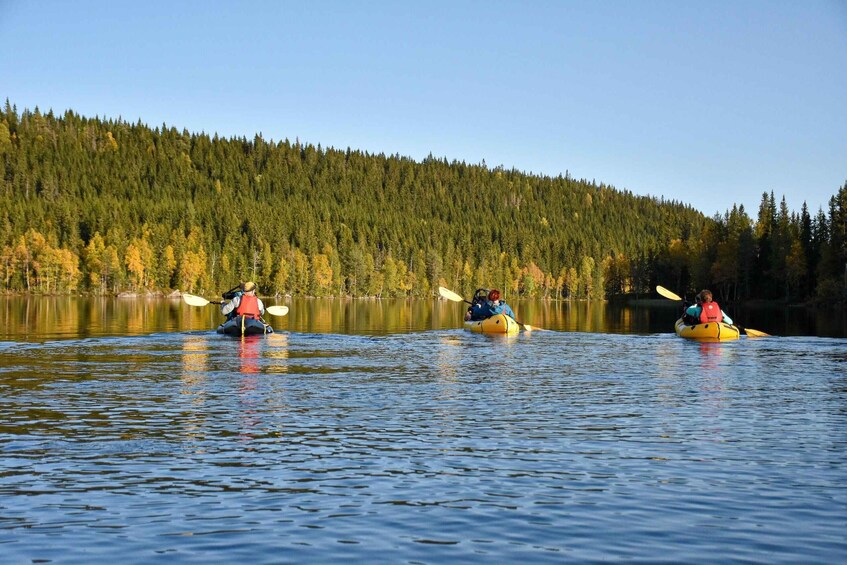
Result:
[{"x": 380, "y": 431}]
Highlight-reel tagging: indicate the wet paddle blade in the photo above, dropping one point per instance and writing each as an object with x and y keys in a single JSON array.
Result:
[
  {"x": 277, "y": 310},
  {"x": 192, "y": 300},
  {"x": 667, "y": 294},
  {"x": 756, "y": 333},
  {"x": 450, "y": 295}
]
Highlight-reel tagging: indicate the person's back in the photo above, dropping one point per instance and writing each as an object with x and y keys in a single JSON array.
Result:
[
  {"x": 710, "y": 312},
  {"x": 705, "y": 311},
  {"x": 495, "y": 306},
  {"x": 477, "y": 309},
  {"x": 244, "y": 303},
  {"x": 249, "y": 306}
]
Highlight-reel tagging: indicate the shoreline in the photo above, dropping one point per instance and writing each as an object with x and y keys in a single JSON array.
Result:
[{"x": 636, "y": 302}]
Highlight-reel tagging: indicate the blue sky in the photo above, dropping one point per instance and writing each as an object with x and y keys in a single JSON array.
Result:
[{"x": 708, "y": 103}]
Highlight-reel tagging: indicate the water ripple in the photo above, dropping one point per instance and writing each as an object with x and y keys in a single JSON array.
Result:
[{"x": 423, "y": 447}]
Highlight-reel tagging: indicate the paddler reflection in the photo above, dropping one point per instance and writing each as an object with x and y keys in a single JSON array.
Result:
[
  {"x": 710, "y": 354},
  {"x": 273, "y": 349},
  {"x": 248, "y": 353}
]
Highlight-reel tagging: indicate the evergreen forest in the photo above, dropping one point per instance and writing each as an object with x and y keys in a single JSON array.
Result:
[{"x": 103, "y": 206}]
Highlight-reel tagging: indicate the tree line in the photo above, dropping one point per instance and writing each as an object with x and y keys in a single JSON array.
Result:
[{"x": 102, "y": 206}]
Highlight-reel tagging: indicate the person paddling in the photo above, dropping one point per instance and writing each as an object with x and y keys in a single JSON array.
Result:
[
  {"x": 705, "y": 310},
  {"x": 246, "y": 304},
  {"x": 496, "y": 306},
  {"x": 474, "y": 312}
]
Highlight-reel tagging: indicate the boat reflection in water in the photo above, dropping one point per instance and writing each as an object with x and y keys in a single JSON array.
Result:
[{"x": 248, "y": 354}]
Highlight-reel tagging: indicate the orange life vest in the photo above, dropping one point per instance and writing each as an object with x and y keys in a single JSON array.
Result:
[
  {"x": 249, "y": 307},
  {"x": 711, "y": 313}
]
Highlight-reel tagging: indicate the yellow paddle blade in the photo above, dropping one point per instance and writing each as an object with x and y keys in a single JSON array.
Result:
[
  {"x": 667, "y": 294},
  {"x": 192, "y": 300},
  {"x": 528, "y": 328},
  {"x": 277, "y": 310},
  {"x": 756, "y": 333},
  {"x": 449, "y": 294}
]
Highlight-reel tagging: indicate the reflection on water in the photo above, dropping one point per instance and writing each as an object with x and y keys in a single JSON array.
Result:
[
  {"x": 277, "y": 352},
  {"x": 248, "y": 353},
  {"x": 449, "y": 354},
  {"x": 196, "y": 350},
  {"x": 39, "y": 318},
  {"x": 710, "y": 355},
  {"x": 195, "y": 355}
]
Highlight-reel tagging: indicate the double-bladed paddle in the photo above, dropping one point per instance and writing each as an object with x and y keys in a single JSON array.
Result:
[
  {"x": 450, "y": 295},
  {"x": 193, "y": 300},
  {"x": 673, "y": 296}
]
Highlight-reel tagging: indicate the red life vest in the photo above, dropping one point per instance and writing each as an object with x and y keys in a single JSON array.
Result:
[
  {"x": 711, "y": 313},
  {"x": 249, "y": 307}
]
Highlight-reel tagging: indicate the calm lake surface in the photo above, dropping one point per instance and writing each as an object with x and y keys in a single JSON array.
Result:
[{"x": 381, "y": 431}]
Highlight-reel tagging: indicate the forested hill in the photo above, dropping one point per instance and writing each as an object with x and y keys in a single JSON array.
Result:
[{"x": 103, "y": 205}]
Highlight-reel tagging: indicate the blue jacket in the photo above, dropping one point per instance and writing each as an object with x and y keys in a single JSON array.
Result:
[{"x": 489, "y": 309}]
